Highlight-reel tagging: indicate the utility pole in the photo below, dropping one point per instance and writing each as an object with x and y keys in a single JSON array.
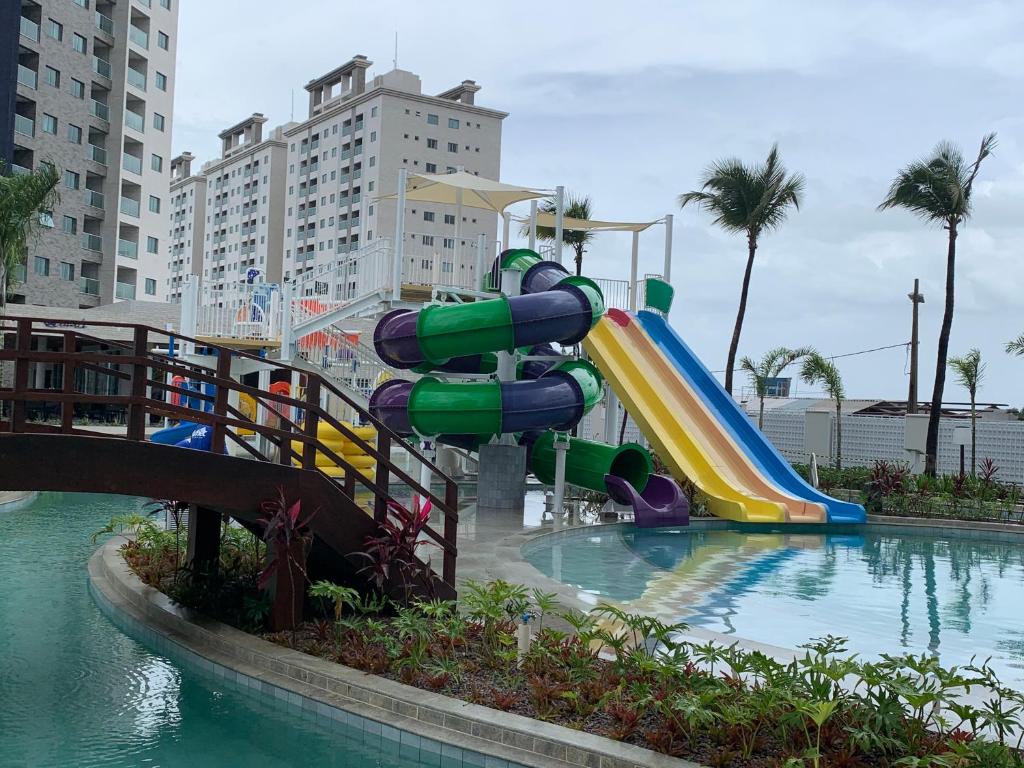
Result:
[{"x": 915, "y": 298}]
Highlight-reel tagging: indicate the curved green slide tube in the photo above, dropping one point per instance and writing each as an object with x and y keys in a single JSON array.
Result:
[{"x": 587, "y": 462}]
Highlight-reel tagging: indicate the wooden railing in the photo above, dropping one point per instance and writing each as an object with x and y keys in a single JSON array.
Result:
[{"x": 143, "y": 384}]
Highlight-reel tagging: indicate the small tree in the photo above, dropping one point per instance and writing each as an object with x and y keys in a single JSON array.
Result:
[
  {"x": 817, "y": 369},
  {"x": 970, "y": 372},
  {"x": 766, "y": 369},
  {"x": 577, "y": 239},
  {"x": 1016, "y": 347},
  {"x": 24, "y": 198}
]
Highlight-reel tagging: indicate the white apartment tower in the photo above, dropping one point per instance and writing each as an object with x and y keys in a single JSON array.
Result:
[
  {"x": 348, "y": 152},
  {"x": 188, "y": 224},
  {"x": 94, "y": 98}
]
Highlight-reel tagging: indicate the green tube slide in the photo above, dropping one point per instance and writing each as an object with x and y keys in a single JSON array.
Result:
[
  {"x": 449, "y": 331},
  {"x": 586, "y": 462}
]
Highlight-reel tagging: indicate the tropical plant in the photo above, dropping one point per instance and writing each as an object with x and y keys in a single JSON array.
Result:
[
  {"x": 817, "y": 369},
  {"x": 573, "y": 207},
  {"x": 939, "y": 190},
  {"x": 393, "y": 554},
  {"x": 1016, "y": 347},
  {"x": 24, "y": 199},
  {"x": 969, "y": 371},
  {"x": 766, "y": 369},
  {"x": 287, "y": 535},
  {"x": 748, "y": 199}
]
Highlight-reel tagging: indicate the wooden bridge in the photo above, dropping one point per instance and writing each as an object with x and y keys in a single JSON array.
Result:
[{"x": 65, "y": 456}]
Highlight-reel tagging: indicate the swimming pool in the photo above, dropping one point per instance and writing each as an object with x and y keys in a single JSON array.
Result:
[
  {"x": 953, "y": 593},
  {"x": 74, "y": 690}
]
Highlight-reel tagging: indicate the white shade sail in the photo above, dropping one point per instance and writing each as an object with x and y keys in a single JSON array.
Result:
[
  {"x": 475, "y": 191},
  {"x": 576, "y": 225}
]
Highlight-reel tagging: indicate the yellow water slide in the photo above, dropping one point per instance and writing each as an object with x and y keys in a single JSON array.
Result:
[{"x": 683, "y": 432}]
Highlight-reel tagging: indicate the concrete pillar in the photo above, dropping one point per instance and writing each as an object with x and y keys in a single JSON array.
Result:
[
  {"x": 202, "y": 553},
  {"x": 501, "y": 480}
]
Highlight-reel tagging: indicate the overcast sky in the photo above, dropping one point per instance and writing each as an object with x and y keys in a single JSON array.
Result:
[{"x": 628, "y": 102}]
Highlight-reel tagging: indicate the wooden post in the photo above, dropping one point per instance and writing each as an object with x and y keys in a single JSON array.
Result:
[
  {"x": 137, "y": 407},
  {"x": 383, "y": 477},
  {"x": 21, "y": 368},
  {"x": 220, "y": 401},
  {"x": 350, "y": 482},
  {"x": 67, "y": 407},
  {"x": 451, "y": 526},
  {"x": 312, "y": 421},
  {"x": 202, "y": 553},
  {"x": 289, "y": 587}
]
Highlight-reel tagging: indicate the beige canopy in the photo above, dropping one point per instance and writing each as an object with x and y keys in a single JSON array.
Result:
[
  {"x": 548, "y": 220},
  {"x": 476, "y": 191}
]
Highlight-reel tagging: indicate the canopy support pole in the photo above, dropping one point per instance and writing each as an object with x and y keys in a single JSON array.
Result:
[
  {"x": 533, "y": 225},
  {"x": 559, "y": 216},
  {"x": 667, "y": 270},
  {"x": 399, "y": 244},
  {"x": 481, "y": 252},
  {"x": 458, "y": 225},
  {"x": 633, "y": 266},
  {"x": 506, "y": 225}
]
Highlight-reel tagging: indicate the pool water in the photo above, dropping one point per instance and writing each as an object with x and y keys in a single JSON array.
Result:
[
  {"x": 74, "y": 690},
  {"x": 955, "y": 594}
]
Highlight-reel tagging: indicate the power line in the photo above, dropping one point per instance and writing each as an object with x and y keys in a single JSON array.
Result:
[{"x": 847, "y": 354}]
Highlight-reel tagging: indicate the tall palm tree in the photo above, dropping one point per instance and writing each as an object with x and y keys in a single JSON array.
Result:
[
  {"x": 938, "y": 189},
  {"x": 817, "y": 369},
  {"x": 767, "y": 368},
  {"x": 970, "y": 372},
  {"x": 1016, "y": 347},
  {"x": 23, "y": 199},
  {"x": 748, "y": 199},
  {"x": 578, "y": 239}
]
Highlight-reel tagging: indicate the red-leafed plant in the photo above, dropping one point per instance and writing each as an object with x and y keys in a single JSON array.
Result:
[
  {"x": 287, "y": 535},
  {"x": 394, "y": 564}
]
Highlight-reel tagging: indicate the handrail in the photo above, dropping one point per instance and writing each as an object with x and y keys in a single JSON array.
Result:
[{"x": 139, "y": 360}]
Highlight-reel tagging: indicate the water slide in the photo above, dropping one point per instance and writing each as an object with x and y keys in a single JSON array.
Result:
[
  {"x": 461, "y": 338},
  {"x": 742, "y": 431},
  {"x": 686, "y": 435}
]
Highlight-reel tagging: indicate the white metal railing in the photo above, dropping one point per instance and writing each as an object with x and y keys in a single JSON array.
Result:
[
  {"x": 243, "y": 311},
  {"x": 350, "y": 363},
  {"x": 616, "y": 292},
  {"x": 347, "y": 278}
]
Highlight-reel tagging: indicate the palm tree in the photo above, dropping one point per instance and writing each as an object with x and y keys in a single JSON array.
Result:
[
  {"x": 766, "y": 369},
  {"x": 578, "y": 239},
  {"x": 23, "y": 199},
  {"x": 1016, "y": 347},
  {"x": 748, "y": 199},
  {"x": 817, "y": 369},
  {"x": 970, "y": 372},
  {"x": 938, "y": 189}
]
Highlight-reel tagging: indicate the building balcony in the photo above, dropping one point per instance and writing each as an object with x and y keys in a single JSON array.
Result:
[
  {"x": 138, "y": 37},
  {"x": 29, "y": 29},
  {"x": 127, "y": 249},
  {"x": 94, "y": 198},
  {"x": 28, "y": 77},
  {"x": 101, "y": 67},
  {"x": 124, "y": 291},
  {"x": 90, "y": 286},
  {"x": 100, "y": 110},
  {"x": 135, "y": 121},
  {"x": 97, "y": 154},
  {"x": 19, "y": 170},
  {"x": 132, "y": 163},
  {"x": 130, "y": 207},
  {"x": 136, "y": 79},
  {"x": 104, "y": 23},
  {"x": 26, "y": 126},
  {"x": 92, "y": 242}
]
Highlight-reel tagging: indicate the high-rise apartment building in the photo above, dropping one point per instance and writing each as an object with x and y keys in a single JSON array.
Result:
[
  {"x": 188, "y": 224},
  {"x": 349, "y": 150},
  {"x": 94, "y": 97}
]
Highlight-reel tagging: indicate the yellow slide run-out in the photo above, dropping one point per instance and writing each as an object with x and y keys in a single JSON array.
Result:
[{"x": 683, "y": 432}]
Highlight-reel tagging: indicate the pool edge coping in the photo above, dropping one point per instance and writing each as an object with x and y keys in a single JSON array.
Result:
[{"x": 315, "y": 683}]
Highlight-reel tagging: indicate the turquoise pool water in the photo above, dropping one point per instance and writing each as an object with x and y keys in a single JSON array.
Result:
[
  {"x": 75, "y": 691},
  {"x": 889, "y": 590}
]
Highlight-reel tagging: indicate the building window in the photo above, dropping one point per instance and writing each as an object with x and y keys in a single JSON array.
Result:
[
  {"x": 161, "y": 81},
  {"x": 154, "y": 204},
  {"x": 431, "y": 167},
  {"x": 74, "y": 134},
  {"x": 449, "y": 242},
  {"x": 427, "y": 239},
  {"x": 77, "y": 87},
  {"x": 42, "y": 266},
  {"x": 78, "y": 43},
  {"x": 449, "y": 218},
  {"x": 428, "y": 215},
  {"x": 70, "y": 225},
  {"x": 453, "y": 123},
  {"x": 453, "y": 147},
  {"x": 165, "y": 4},
  {"x": 67, "y": 270},
  {"x": 431, "y": 143},
  {"x": 55, "y": 30},
  {"x": 150, "y": 286},
  {"x": 373, "y": 112},
  {"x": 163, "y": 40},
  {"x": 53, "y": 77},
  {"x": 82, "y": 3},
  {"x": 49, "y": 124},
  {"x": 158, "y": 121},
  {"x": 432, "y": 119},
  {"x": 152, "y": 245},
  {"x": 373, "y": 136},
  {"x": 71, "y": 179},
  {"x": 156, "y": 163}
]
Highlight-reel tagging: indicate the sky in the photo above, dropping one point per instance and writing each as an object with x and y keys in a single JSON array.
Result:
[{"x": 629, "y": 103}]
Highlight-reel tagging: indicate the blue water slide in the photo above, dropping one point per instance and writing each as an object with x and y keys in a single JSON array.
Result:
[{"x": 757, "y": 447}]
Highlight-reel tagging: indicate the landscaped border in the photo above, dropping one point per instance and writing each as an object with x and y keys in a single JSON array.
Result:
[{"x": 416, "y": 723}]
